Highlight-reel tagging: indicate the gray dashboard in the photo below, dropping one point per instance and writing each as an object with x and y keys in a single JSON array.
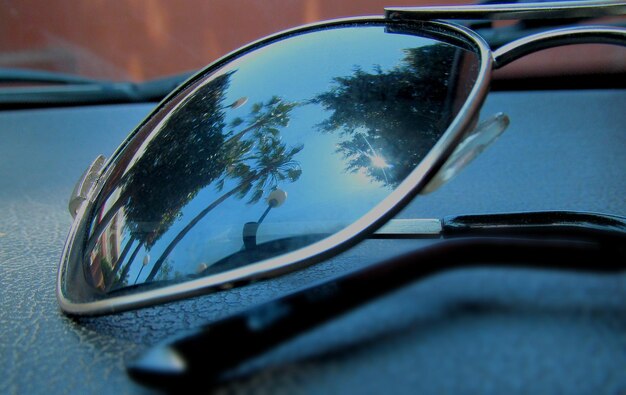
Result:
[{"x": 483, "y": 330}]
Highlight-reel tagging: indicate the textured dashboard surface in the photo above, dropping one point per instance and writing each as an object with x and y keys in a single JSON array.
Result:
[{"x": 484, "y": 330}]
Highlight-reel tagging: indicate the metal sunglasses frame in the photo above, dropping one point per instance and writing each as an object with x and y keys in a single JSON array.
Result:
[{"x": 92, "y": 182}]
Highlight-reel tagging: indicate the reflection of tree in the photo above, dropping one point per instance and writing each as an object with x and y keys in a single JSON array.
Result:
[
  {"x": 174, "y": 166},
  {"x": 264, "y": 118},
  {"x": 271, "y": 161},
  {"x": 391, "y": 119},
  {"x": 192, "y": 150},
  {"x": 179, "y": 161}
]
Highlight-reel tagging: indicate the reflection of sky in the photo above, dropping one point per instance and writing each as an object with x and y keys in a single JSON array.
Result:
[{"x": 296, "y": 69}]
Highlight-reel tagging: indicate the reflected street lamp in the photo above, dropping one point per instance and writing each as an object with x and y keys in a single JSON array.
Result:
[
  {"x": 275, "y": 199},
  {"x": 146, "y": 260}
]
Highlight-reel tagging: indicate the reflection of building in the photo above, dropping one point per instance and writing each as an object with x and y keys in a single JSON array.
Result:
[{"x": 107, "y": 251}]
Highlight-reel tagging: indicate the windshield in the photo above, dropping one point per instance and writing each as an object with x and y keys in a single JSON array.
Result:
[{"x": 147, "y": 39}]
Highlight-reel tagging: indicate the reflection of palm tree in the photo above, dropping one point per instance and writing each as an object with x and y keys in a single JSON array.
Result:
[
  {"x": 183, "y": 175},
  {"x": 265, "y": 118},
  {"x": 192, "y": 150},
  {"x": 234, "y": 154},
  {"x": 122, "y": 279},
  {"x": 175, "y": 164},
  {"x": 272, "y": 162}
]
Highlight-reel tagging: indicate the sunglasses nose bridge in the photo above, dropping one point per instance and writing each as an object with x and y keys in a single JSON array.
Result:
[{"x": 556, "y": 38}]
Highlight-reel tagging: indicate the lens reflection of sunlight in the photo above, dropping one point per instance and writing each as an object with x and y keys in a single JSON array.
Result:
[{"x": 379, "y": 161}]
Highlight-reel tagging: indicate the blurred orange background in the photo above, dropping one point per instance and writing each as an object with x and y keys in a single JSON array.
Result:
[{"x": 144, "y": 39}]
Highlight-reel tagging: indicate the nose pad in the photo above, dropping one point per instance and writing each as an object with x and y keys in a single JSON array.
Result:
[
  {"x": 85, "y": 183},
  {"x": 472, "y": 145}
]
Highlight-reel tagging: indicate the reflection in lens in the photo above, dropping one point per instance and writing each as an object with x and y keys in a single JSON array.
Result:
[
  {"x": 388, "y": 120},
  {"x": 334, "y": 120}
]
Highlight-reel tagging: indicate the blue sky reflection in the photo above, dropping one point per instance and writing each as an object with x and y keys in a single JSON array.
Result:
[{"x": 326, "y": 195}]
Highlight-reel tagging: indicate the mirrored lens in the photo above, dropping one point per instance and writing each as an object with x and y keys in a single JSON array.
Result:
[{"x": 274, "y": 150}]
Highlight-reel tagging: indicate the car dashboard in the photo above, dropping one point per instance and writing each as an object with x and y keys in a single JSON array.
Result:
[{"x": 489, "y": 329}]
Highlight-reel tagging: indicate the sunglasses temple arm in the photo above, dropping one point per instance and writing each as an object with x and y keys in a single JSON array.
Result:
[
  {"x": 565, "y": 224},
  {"x": 538, "y": 10},
  {"x": 206, "y": 354}
]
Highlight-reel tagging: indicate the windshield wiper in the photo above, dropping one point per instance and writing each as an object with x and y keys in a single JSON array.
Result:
[
  {"x": 59, "y": 89},
  {"x": 13, "y": 75}
]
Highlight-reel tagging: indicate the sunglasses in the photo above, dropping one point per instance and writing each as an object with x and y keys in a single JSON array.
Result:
[
  {"x": 294, "y": 149},
  {"x": 323, "y": 133},
  {"x": 297, "y": 147}
]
